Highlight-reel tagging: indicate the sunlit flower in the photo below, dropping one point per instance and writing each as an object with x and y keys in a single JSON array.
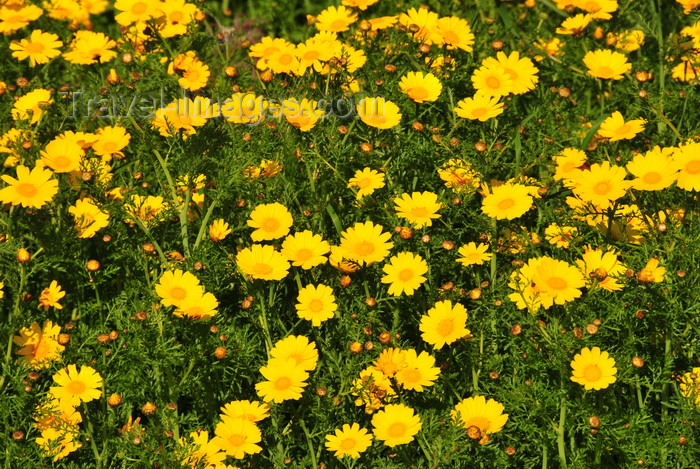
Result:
[
  {"x": 335, "y": 19},
  {"x": 316, "y": 304},
  {"x": 478, "y": 413},
  {"x": 601, "y": 268},
  {"x": 601, "y": 185},
  {"x": 271, "y": 221},
  {"x": 473, "y": 254},
  {"x": 254, "y": 411},
  {"x": 74, "y": 387},
  {"x": 89, "y": 47},
  {"x": 89, "y": 218},
  {"x": 455, "y": 33},
  {"x": 365, "y": 243},
  {"x": 420, "y": 87},
  {"x": 237, "y": 437},
  {"x": 177, "y": 286},
  {"x": 606, "y": 64},
  {"x": 396, "y": 424},
  {"x": 262, "y": 262},
  {"x": 593, "y": 369},
  {"x": 419, "y": 371},
  {"x": 31, "y": 188},
  {"x": 305, "y": 249},
  {"x": 32, "y": 105},
  {"x": 444, "y": 324},
  {"x": 404, "y": 272},
  {"x": 39, "y": 48},
  {"x": 297, "y": 348},
  {"x": 687, "y": 161},
  {"x": 615, "y": 128},
  {"x": 379, "y": 113},
  {"x": 690, "y": 386},
  {"x": 653, "y": 171},
  {"x": 285, "y": 380},
  {"x": 507, "y": 201},
  {"x": 50, "y": 296},
  {"x": 521, "y": 71},
  {"x": 351, "y": 440},
  {"x": 39, "y": 346},
  {"x": 367, "y": 181},
  {"x": 419, "y": 208},
  {"x": 218, "y": 230},
  {"x": 652, "y": 272},
  {"x": 481, "y": 107}
]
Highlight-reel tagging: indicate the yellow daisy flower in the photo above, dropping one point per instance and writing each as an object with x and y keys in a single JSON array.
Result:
[
  {"x": 419, "y": 208},
  {"x": 404, "y": 273},
  {"x": 396, "y": 424},
  {"x": 593, "y": 369}
]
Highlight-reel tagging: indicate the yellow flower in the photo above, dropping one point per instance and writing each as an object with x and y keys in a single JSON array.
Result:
[
  {"x": 397, "y": 424},
  {"x": 110, "y": 141},
  {"x": 419, "y": 208},
  {"x": 39, "y": 346},
  {"x": 135, "y": 11},
  {"x": 316, "y": 304},
  {"x": 507, "y": 201},
  {"x": 405, "y": 273},
  {"x": 365, "y": 243},
  {"x": 574, "y": 25},
  {"x": 16, "y": 15},
  {"x": 654, "y": 170},
  {"x": 31, "y": 106},
  {"x": 379, "y": 113},
  {"x": 199, "y": 450},
  {"x": 76, "y": 386},
  {"x": 39, "y": 48},
  {"x": 598, "y": 9},
  {"x": 373, "y": 389},
  {"x": 492, "y": 81},
  {"x": 652, "y": 272},
  {"x": 297, "y": 348},
  {"x": 615, "y": 128},
  {"x": 444, "y": 324},
  {"x": 305, "y": 249},
  {"x": 593, "y": 369},
  {"x": 455, "y": 33},
  {"x": 237, "y": 437},
  {"x": 335, "y": 19},
  {"x": 421, "y": 88},
  {"x": 601, "y": 268},
  {"x": 262, "y": 262},
  {"x": 51, "y": 295},
  {"x": 460, "y": 176},
  {"x": 422, "y": 24},
  {"x": 177, "y": 286},
  {"x": 89, "y": 219},
  {"x": 271, "y": 221},
  {"x": 601, "y": 185},
  {"x": 418, "y": 372},
  {"x": 351, "y": 440},
  {"x": 197, "y": 307},
  {"x": 521, "y": 71},
  {"x": 218, "y": 230},
  {"x": 606, "y": 64},
  {"x": 560, "y": 236},
  {"x": 62, "y": 155},
  {"x": 481, "y": 107},
  {"x": 568, "y": 161},
  {"x": 30, "y": 189},
  {"x": 473, "y": 254},
  {"x": 367, "y": 181},
  {"x": 254, "y": 411},
  {"x": 361, "y": 4},
  {"x": 89, "y": 47},
  {"x": 477, "y": 413},
  {"x": 557, "y": 281},
  {"x": 687, "y": 161},
  {"x": 690, "y": 386},
  {"x": 285, "y": 380}
]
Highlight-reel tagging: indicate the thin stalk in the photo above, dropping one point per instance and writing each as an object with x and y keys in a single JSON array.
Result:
[
  {"x": 14, "y": 313},
  {"x": 312, "y": 453},
  {"x": 561, "y": 446},
  {"x": 183, "y": 210},
  {"x": 91, "y": 436},
  {"x": 263, "y": 322}
]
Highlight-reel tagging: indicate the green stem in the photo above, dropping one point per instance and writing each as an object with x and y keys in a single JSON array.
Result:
[
  {"x": 173, "y": 194},
  {"x": 205, "y": 222},
  {"x": 561, "y": 446},
  {"x": 312, "y": 453},
  {"x": 91, "y": 436},
  {"x": 264, "y": 324},
  {"x": 12, "y": 319}
]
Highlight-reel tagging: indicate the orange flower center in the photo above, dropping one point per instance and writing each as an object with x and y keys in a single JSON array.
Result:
[
  {"x": 270, "y": 224},
  {"x": 592, "y": 373},
  {"x": 285, "y": 59},
  {"x": 60, "y": 162},
  {"x": 418, "y": 93},
  {"x": 651, "y": 178},
  {"x": 316, "y": 305},
  {"x": 339, "y": 24},
  {"x": 397, "y": 430},
  {"x": 557, "y": 283},
  {"x": 311, "y": 56},
  {"x": 138, "y": 8},
  {"x": 605, "y": 71},
  {"x": 482, "y": 422},
  {"x": 364, "y": 183},
  {"x": 420, "y": 212},
  {"x": 445, "y": 327},
  {"x": 624, "y": 129},
  {"x": 262, "y": 269},
  {"x": 41, "y": 350},
  {"x": 26, "y": 189},
  {"x": 693, "y": 167},
  {"x": 493, "y": 82},
  {"x": 195, "y": 311},
  {"x": 76, "y": 387},
  {"x": 109, "y": 147},
  {"x": 478, "y": 112},
  {"x": 192, "y": 75},
  {"x": 450, "y": 37},
  {"x": 236, "y": 440},
  {"x": 304, "y": 254},
  {"x": 364, "y": 248},
  {"x": 412, "y": 375},
  {"x": 406, "y": 274},
  {"x": 176, "y": 16},
  {"x": 34, "y": 48},
  {"x": 602, "y": 188},
  {"x": 178, "y": 293},
  {"x": 505, "y": 204},
  {"x": 283, "y": 383},
  {"x": 348, "y": 443}
]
